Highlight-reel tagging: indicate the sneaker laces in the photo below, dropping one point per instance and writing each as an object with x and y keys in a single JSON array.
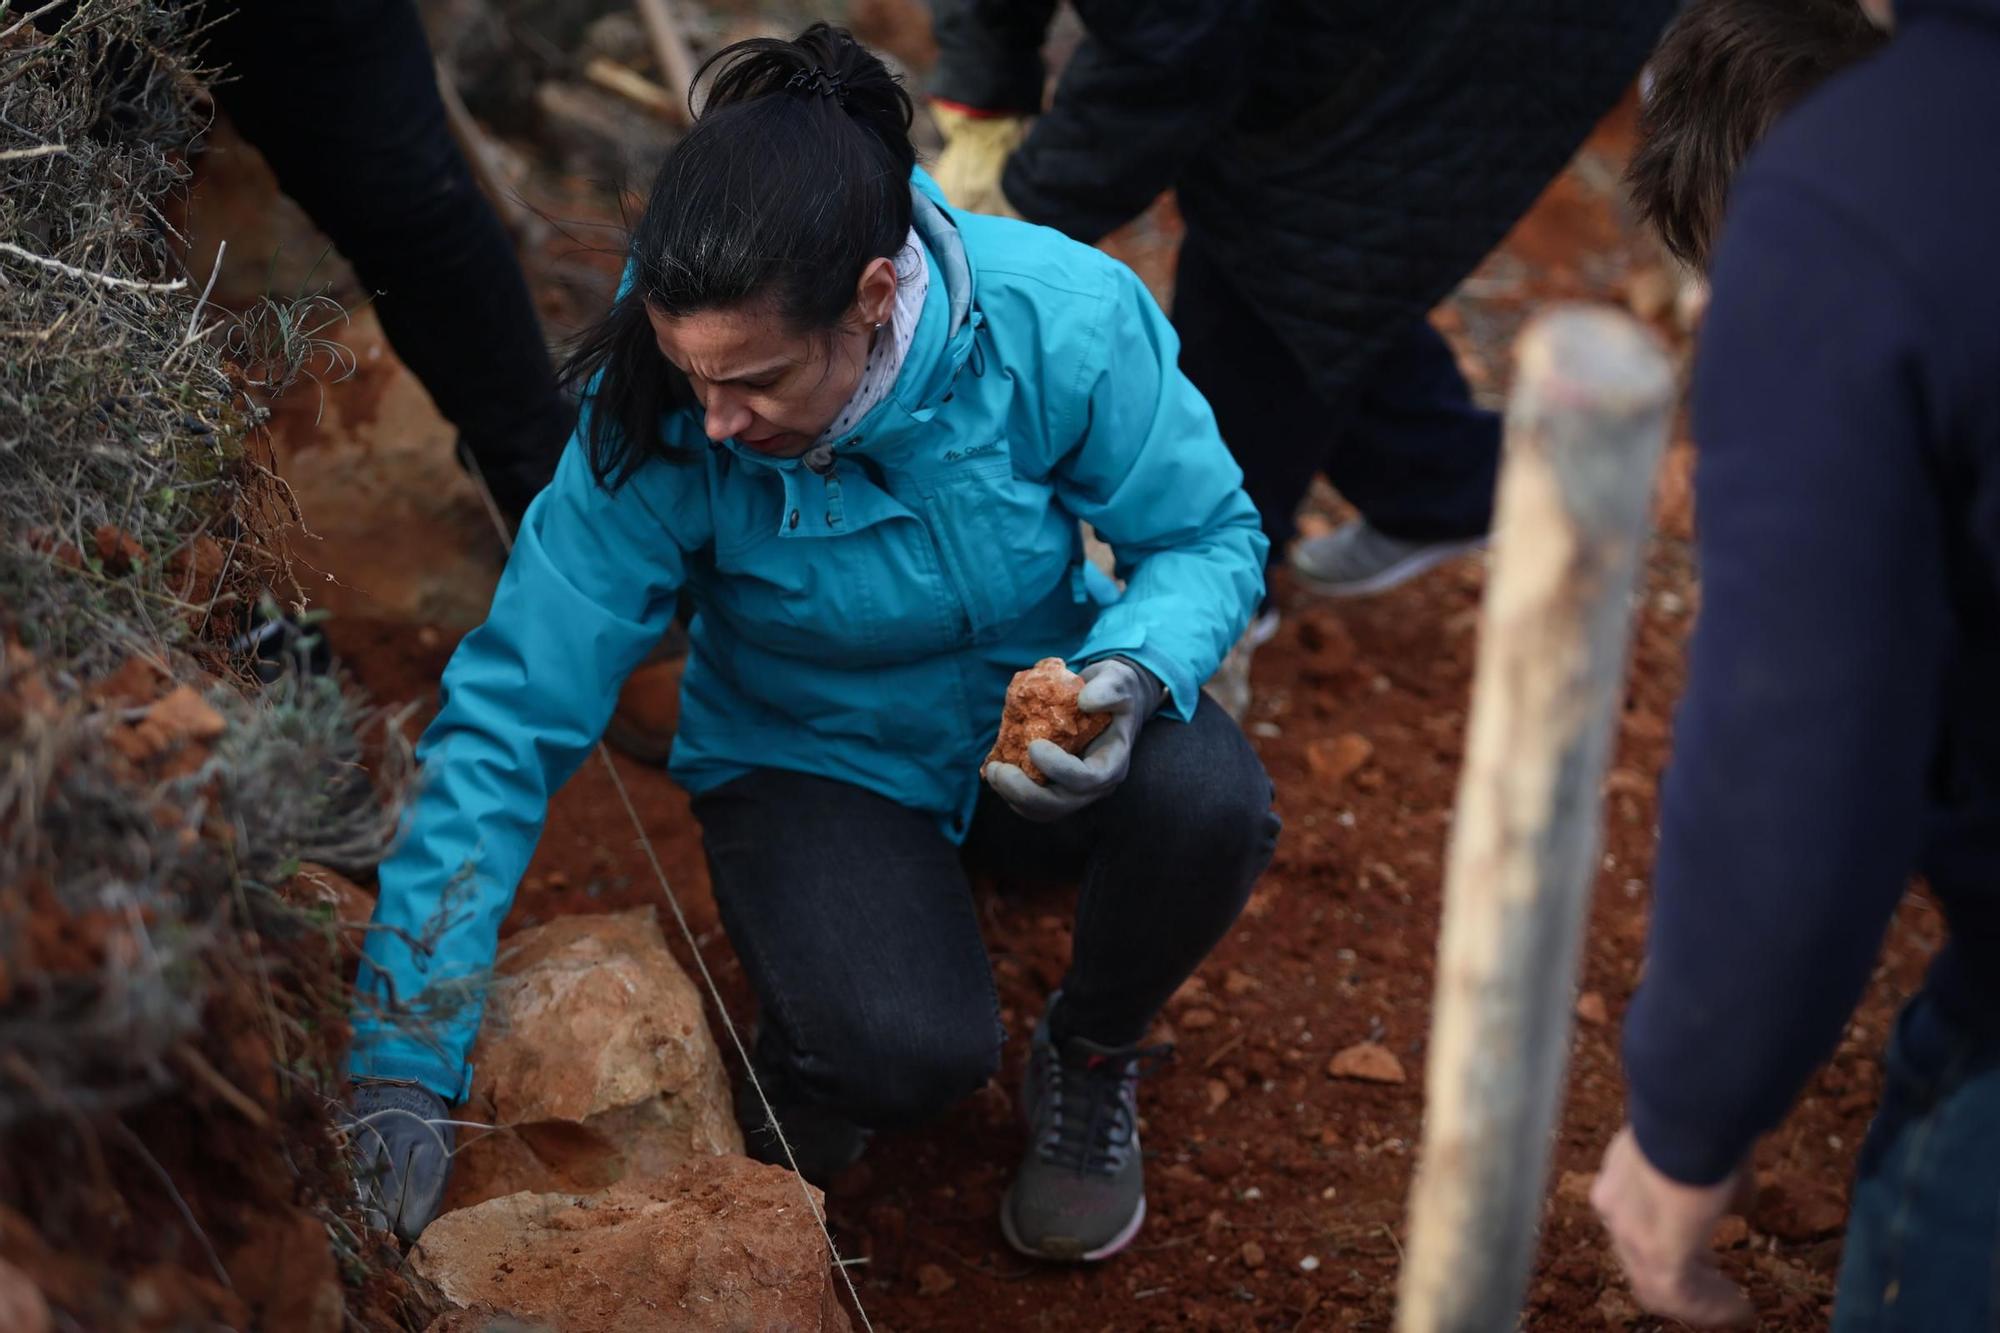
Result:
[{"x": 1092, "y": 1107}]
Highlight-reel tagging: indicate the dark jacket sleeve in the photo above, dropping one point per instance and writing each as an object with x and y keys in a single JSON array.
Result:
[
  {"x": 1793, "y": 811},
  {"x": 1150, "y": 87},
  {"x": 990, "y": 53}
]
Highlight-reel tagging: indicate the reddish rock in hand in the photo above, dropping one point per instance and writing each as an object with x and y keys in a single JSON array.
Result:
[{"x": 1041, "y": 706}]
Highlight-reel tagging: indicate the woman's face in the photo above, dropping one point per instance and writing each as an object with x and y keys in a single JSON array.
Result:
[{"x": 762, "y": 382}]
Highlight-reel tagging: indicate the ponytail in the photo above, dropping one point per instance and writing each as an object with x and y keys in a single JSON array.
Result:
[{"x": 795, "y": 175}]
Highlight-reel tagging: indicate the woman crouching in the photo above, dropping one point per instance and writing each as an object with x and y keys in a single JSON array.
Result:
[{"x": 859, "y": 429}]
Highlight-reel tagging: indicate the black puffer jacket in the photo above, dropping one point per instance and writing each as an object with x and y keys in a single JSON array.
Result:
[{"x": 1349, "y": 161}]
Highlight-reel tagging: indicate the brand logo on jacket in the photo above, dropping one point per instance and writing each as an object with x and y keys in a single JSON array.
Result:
[{"x": 977, "y": 451}]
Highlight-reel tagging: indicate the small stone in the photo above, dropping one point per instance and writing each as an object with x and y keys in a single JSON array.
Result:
[
  {"x": 1239, "y": 984},
  {"x": 1616, "y": 1309},
  {"x": 1309, "y": 1264},
  {"x": 1368, "y": 1062},
  {"x": 1194, "y": 1020},
  {"x": 1731, "y": 1232},
  {"x": 934, "y": 1281},
  {"x": 116, "y": 549},
  {"x": 1650, "y": 293},
  {"x": 1334, "y": 760},
  {"x": 1218, "y": 1093},
  {"x": 1590, "y": 1008},
  {"x": 1219, "y": 1163},
  {"x": 1253, "y": 1254},
  {"x": 1041, "y": 705},
  {"x": 1627, "y": 782},
  {"x": 185, "y": 716}
]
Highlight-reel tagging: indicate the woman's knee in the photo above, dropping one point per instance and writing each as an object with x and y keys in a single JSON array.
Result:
[
  {"x": 911, "y": 1069},
  {"x": 1199, "y": 788}
]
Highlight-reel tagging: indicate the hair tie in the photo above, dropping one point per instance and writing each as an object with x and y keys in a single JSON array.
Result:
[{"x": 818, "y": 80}]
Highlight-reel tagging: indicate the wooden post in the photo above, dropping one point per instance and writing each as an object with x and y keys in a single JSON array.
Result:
[
  {"x": 670, "y": 52},
  {"x": 1589, "y": 413}
]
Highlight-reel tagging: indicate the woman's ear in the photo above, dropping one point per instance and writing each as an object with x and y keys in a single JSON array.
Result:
[{"x": 875, "y": 294}]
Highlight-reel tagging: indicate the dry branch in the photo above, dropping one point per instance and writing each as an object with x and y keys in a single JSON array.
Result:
[
  {"x": 634, "y": 87},
  {"x": 671, "y": 52}
]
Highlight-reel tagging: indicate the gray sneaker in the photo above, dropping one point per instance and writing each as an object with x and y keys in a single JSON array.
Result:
[
  {"x": 1080, "y": 1195},
  {"x": 1356, "y": 560}
]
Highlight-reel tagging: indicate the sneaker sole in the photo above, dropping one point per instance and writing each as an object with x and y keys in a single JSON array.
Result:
[
  {"x": 1422, "y": 562},
  {"x": 1066, "y": 1251}
]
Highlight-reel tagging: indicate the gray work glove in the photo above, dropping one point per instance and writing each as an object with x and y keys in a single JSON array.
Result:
[
  {"x": 1127, "y": 691},
  {"x": 402, "y": 1142}
]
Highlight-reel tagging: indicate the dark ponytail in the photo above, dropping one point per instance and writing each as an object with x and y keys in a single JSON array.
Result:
[{"x": 795, "y": 175}]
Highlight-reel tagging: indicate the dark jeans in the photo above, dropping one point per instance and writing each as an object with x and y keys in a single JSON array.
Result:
[
  {"x": 1923, "y": 1237},
  {"x": 1406, "y": 446},
  {"x": 342, "y": 101},
  {"x": 854, "y": 918}
]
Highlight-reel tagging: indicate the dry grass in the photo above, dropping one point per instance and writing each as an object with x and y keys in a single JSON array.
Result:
[{"x": 147, "y": 955}]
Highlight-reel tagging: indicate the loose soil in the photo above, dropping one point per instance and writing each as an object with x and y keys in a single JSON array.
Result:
[{"x": 1277, "y": 1191}]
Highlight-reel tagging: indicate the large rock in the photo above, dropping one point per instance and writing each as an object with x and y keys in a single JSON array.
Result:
[
  {"x": 723, "y": 1243},
  {"x": 597, "y": 1057}
]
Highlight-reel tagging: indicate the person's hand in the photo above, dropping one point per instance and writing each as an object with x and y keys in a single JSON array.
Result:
[
  {"x": 402, "y": 1141},
  {"x": 1127, "y": 691},
  {"x": 976, "y": 149},
  {"x": 1661, "y": 1230}
]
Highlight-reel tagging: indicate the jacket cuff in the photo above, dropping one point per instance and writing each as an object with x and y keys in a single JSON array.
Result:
[
  {"x": 971, "y": 112},
  {"x": 995, "y": 85},
  {"x": 1183, "y": 691},
  {"x": 1693, "y": 1152}
]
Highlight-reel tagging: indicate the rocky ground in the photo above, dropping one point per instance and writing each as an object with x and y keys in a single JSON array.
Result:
[{"x": 1280, "y": 1141}]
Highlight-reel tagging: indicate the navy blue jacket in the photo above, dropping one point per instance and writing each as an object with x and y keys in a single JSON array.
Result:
[
  {"x": 1841, "y": 728},
  {"x": 1346, "y": 162}
]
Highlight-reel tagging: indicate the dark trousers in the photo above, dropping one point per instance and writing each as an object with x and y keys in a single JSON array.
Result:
[
  {"x": 1405, "y": 446},
  {"x": 854, "y": 918},
  {"x": 342, "y": 101},
  {"x": 1923, "y": 1236}
]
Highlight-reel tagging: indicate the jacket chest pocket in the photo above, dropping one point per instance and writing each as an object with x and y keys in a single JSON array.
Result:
[
  {"x": 877, "y": 596},
  {"x": 1004, "y": 543}
]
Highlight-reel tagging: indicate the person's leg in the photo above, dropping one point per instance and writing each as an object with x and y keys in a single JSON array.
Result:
[
  {"x": 1166, "y": 864},
  {"x": 1922, "y": 1253},
  {"x": 1419, "y": 461},
  {"x": 1173, "y": 854},
  {"x": 1268, "y": 414},
  {"x": 342, "y": 101},
  {"x": 1418, "y": 458},
  {"x": 854, "y": 920}
]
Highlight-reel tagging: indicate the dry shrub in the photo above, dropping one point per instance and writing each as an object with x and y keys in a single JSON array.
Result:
[{"x": 169, "y": 1021}]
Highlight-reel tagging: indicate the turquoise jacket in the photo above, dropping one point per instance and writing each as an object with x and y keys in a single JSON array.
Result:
[{"x": 861, "y": 625}]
